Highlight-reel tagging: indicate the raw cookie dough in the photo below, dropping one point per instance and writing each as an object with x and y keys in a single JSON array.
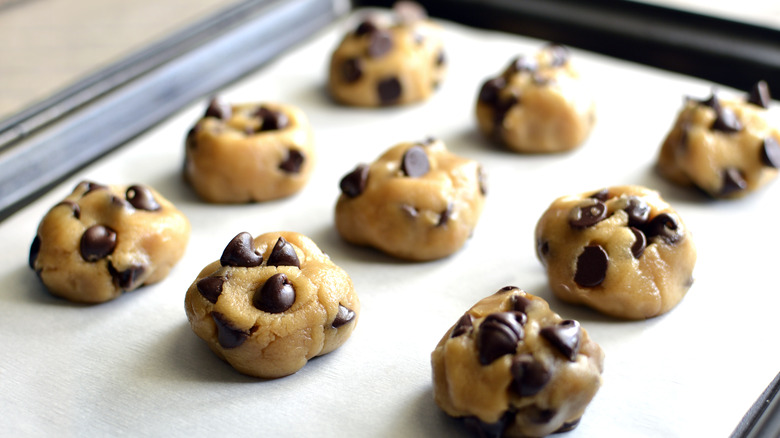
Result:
[
  {"x": 621, "y": 250},
  {"x": 249, "y": 152},
  {"x": 104, "y": 240},
  {"x": 538, "y": 104},
  {"x": 272, "y": 303},
  {"x": 395, "y": 61},
  {"x": 512, "y": 367},
  {"x": 418, "y": 201},
  {"x": 724, "y": 147}
]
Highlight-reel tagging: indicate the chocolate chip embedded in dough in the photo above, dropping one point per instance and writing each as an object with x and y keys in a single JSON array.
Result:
[
  {"x": 529, "y": 376},
  {"x": 276, "y": 295},
  {"x": 228, "y": 335},
  {"x": 344, "y": 316},
  {"x": 499, "y": 334},
  {"x": 588, "y": 215},
  {"x": 283, "y": 254},
  {"x": 126, "y": 280},
  {"x": 35, "y": 249},
  {"x": 726, "y": 121},
  {"x": 240, "y": 252},
  {"x": 445, "y": 215},
  {"x": 91, "y": 187},
  {"x": 490, "y": 90},
  {"x": 638, "y": 211},
  {"x": 97, "y": 242},
  {"x": 210, "y": 288},
  {"x": 568, "y": 426},
  {"x": 293, "y": 162},
  {"x": 218, "y": 109},
  {"x": 379, "y": 43},
  {"x": 502, "y": 106},
  {"x": 566, "y": 336},
  {"x": 591, "y": 266},
  {"x": 73, "y": 206},
  {"x": 542, "y": 249},
  {"x": 415, "y": 162},
  {"x": 351, "y": 70},
  {"x": 191, "y": 134},
  {"x": 479, "y": 428},
  {"x": 354, "y": 183},
  {"x": 389, "y": 90},
  {"x": 640, "y": 243},
  {"x": 759, "y": 94},
  {"x": 441, "y": 58},
  {"x": 602, "y": 195},
  {"x": 733, "y": 181},
  {"x": 464, "y": 325},
  {"x": 271, "y": 120},
  {"x": 770, "y": 152},
  {"x": 141, "y": 198},
  {"x": 664, "y": 226},
  {"x": 365, "y": 27},
  {"x": 521, "y": 303},
  {"x": 506, "y": 289}
]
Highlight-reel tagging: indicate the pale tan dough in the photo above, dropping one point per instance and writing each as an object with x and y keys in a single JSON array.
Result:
[
  {"x": 101, "y": 241},
  {"x": 634, "y": 281},
  {"x": 230, "y": 160},
  {"x": 538, "y": 104},
  {"x": 725, "y": 155},
  {"x": 507, "y": 381},
  {"x": 223, "y": 308},
  {"x": 422, "y": 217},
  {"x": 388, "y": 61}
]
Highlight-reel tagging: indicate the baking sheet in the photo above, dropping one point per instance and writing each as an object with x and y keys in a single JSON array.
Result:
[{"x": 132, "y": 366}]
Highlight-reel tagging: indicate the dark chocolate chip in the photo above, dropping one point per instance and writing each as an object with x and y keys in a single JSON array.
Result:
[
  {"x": 523, "y": 64},
  {"x": 409, "y": 210},
  {"x": 770, "y": 152},
  {"x": 529, "y": 375},
  {"x": 351, "y": 70},
  {"x": 228, "y": 335},
  {"x": 726, "y": 121},
  {"x": 638, "y": 211},
  {"x": 344, "y": 316},
  {"x": 92, "y": 186},
  {"x": 191, "y": 134},
  {"x": 441, "y": 58},
  {"x": 445, "y": 215},
  {"x": 664, "y": 226},
  {"x": 365, "y": 27},
  {"x": 506, "y": 289},
  {"x": 502, "y": 107},
  {"x": 35, "y": 249},
  {"x": 591, "y": 266},
  {"x": 218, "y": 109},
  {"x": 565, "y": 336},
  {"x": 499, "y": 334},
  {"x": 733, "y": 181},
  {"x": 240, "y": 252},
  {"x": 379, "y": 43},
  {"x": 276, "y": 295},
  {"x": 97, "y": 242},
  {"x": 464, "y": 325},
  {"x": 141, "y": 198},
  {"x": 482, "y": 179},
  {"x": 602, "y": 195},
  {"x": 541, "y": 416},
  {"x": 354, "y": 183},
  {"x": 127, "y": 279},
  {"x": 415, "y": 163},
  {"x": 520, "y": 303},
  {"x": 712, "y": 102},
  {"x": 271, "y": 120},
  {"x": 759, "y": 94},
  {"x": 283, "y": 254},
  {"x": 73, "y": 206},
  {"x": 490, "y": 90},
  {"x": 542, "y": 249},
  {"x": 389, "y": 90},
  {"x": 559, "y": 55},
  {"x": 293, "y": 162},
  {"x": 481, "y": 429},
  {"x": 568, "y": 426},
  {"x": 210, "y": 288},
  {"x": 640, "y": 242},
  {"x": 588, "y": 215}
]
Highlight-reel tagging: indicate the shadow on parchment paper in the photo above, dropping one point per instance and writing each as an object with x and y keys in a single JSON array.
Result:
[{"x": 432, "y": 421}]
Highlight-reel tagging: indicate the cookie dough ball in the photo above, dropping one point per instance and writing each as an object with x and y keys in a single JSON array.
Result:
[
  {"x": 102, "y": 240},
  {"x": 271, "y": 303},
  {"x": 622, "y": 251},
  {"x": 724, "y": 147},
  {"x": 512, "y": 367},
  {"x": 417, "y": 202},
  {"x": 249, "y": 152},
  {"x": 395, "y": 61},
  {"x": 538, "y": 104}
]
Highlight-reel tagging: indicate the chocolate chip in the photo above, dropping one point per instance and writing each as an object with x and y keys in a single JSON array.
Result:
[
  {"x": 228, "y": 335},
  {"x": 218, "y": 109},
  {"x": 283, "y": 254},
  {"x": 409, "y": 210},
  {"x": 602, "y": 195},
  {"x": 664, "y": 226},
  {"x": 35, "y": 249},
  {"x": 506, "y": 289},
  {"x": 640, "y": 242},
  {"x": 441, "y": 58},
  {"x": 92, "y": 186},
  {"x": 365, "y": 27},
  {"x": 521, "y": 303},
  {"x": 542, "y": 249},
  {"x": 541, "y": 416},
  {"x": 343, "y": 316},
  {"x": 770, "y": 152},
  {"x": 141, "y": 198},
  {"x": 351, "y": 70},
  {"x": 464, "y": 325},
  {"x": 481, "y": 429},
  {"x": 190, "y": 141},
  {"x": 568, "y": 426},
  {"x": 389, "y": 90},
  {"x": 559, "y": 55},
  {"x": 240, "y": 252},
  {"x": 759, "y": 94},
  {"x": 502, "y": 107},
  {"x": 733, "y": 181},
  {"x": 726, "y": 121},
  {"x": 482, "y": 179},
  {"x": 415, "y": 163},
  {"x": 379, "y": 43},
  {"x": 565, "y": 336},
  {"x": 445, "y": 215},
  {"x": 126, "y": 280},
  {"x": 523, "y": 64},
  {"x": 354, "y": 183},
  {"x": 588, "y": 215},
  {"x": 276, "y": 295},
  {"x": 73, "y": 206},
  {"x": 712, "y": 102},
  {"x": 591, "y": 266},
  {"x": 210, "y": 288},
  {"x": 490, "y": 90},
  {"x": 529, "y": 375},
  {"x": 293, "y": 162},
  {"x": 638, "y": 211},
  {"x": 499, "y": 334},
  {"x": 271, "y": 120},
  {"x": 97, "y": 242}
]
